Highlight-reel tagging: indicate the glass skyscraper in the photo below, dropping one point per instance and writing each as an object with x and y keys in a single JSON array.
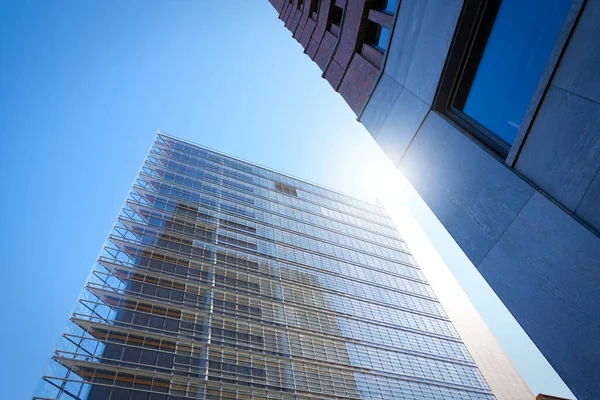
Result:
[{"x": 225, "y": 280}]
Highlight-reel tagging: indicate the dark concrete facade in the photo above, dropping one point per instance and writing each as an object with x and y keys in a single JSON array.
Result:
[{"x": 528, "y": 220}]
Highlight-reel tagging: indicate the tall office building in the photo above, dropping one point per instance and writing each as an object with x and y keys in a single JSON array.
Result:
[
  {"x": 225, "y": 280},
  {"x": 491, "y": 109}
]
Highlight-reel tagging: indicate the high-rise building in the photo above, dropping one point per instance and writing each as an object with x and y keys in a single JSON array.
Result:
[
  {"x": 225, "y": 280},
  {"x": 491, "y": 109}
]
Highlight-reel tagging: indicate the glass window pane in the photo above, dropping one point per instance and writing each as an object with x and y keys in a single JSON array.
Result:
[
  {"x": 99, "y": 392},
  {"x": 156, "y": 322},
  {"x": 131, "y": 354},
  {"x": 516, "y": 53},
  {"x": 112, "y": 351},
  {"x": 140, "y": 318},
  {"x": 165, "y": 360},
  {"x": 120, "y": 394},
  {"x": 384, "y": 38},
  {"x": 390, "y": 6},
  {"x": 148, "y": 357},
  {"x": 171, "y": 325},
  {"x": 135, "y": 395}
]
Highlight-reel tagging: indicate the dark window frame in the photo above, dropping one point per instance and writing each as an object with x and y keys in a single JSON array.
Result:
[
  {"x": 470, "y": 39},
  {"x": 313, "y": 8},
  {"x": 372, "y": 35},
  {"x": 335, "y": 16}
]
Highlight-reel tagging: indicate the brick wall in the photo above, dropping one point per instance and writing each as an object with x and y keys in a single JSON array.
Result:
[{"x": 349, "y": 65}]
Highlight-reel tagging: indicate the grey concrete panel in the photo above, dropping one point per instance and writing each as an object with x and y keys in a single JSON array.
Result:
[
  {"x": 435, "y": 36},
  {"x": 589, "y": 208},
  {"x": 401, "y": 125},
  {"x": 473, "y": 194},
  {"x": 579, "y": 68},
  {"x": 546, "y": 270},
  {"x": 561, "y": 153},
  {"x": 404, "y": 39},
  {"x": 549, "y": 69},
  {"x": 380, "y": 104}
]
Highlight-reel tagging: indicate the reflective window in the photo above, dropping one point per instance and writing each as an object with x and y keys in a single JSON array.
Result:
[
  {"x": 377, "y": 35},
  {"x": 390, "y": 6},
  {"x": 498, "y": 55},
  {"x": 384, "y": 37},
  {"x": 521, "y": 40},
  {"x": 272, "y": 286}
]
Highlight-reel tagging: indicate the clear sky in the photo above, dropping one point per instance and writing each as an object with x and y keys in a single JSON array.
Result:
[{"x": 85, "y": 85}]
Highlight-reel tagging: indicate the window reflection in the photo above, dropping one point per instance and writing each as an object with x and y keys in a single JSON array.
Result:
[
  {"x": 384, "y": 38},
  {"x": 521, "y": 40},
  {"x": 187, "y": 297},
  {"x": 390, "y": 6}
]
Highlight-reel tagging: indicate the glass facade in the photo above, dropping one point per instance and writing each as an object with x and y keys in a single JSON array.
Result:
[{"x": 225, "y": 280}]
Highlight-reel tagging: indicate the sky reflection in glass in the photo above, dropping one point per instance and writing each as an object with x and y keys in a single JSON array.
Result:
[{"x": 520, "y": 43}]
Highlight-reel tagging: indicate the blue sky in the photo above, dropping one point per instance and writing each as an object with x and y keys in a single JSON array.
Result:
[{"x": 84, "y": 86}]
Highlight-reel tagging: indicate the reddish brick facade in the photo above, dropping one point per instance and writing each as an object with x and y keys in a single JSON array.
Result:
[
  {"x": 319, "y": 31},
  {"x": 360, "y": 78},
  {"x": 278, "y": 4},
  {"x": 334, "y": 34}
]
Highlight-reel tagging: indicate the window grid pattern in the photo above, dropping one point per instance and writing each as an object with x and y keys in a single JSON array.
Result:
[
  {"x": 151, "y": 169},
  {"x": 310, "y": 217},
  {"x": 396, "y": 268},
  {"x": 313, "y": 203},
  {"x": 222, "y": 280},
  {"x": 305, "y": 294},
  {"x": 319, "y": 194},
  {"x": 306, "y": 242}
]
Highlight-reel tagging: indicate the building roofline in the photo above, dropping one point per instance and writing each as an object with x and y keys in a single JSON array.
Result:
[{"x": 159, "y": 132}]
